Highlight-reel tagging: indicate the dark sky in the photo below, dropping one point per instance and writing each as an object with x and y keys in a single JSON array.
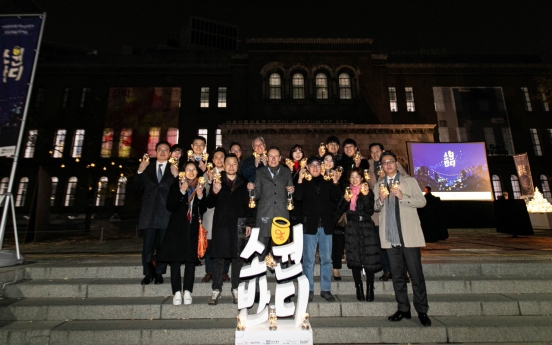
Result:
[{"x": 460, "y": 27}]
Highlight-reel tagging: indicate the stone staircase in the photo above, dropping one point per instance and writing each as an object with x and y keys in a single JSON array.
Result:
[{"x": 471, "y": 301}]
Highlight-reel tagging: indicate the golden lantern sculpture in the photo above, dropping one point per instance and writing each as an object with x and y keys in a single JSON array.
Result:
[
  {"x": 190, "y": 155},
  {"x": 181, "y": 176},
  {"x": 201, "y": 181},
  {"x": 348, "y": 192},
  {"x": 256, "y": 155},
  {"x": 217, "y": 177},
  {"x": 272, "y": 318},
  {"x": 174, "y": 162},
  {"x": 327, "y": 175},
  {"x": 146, "y": 157},
  {"x": 339, "y": 170},
  {"x": 356, "y": 156},
  {"x": 252, "y": 203},
  {"x": 205, "y": 157},
  {"x": 289, "y": 163},
  {"x": 303, "y": 163},
  {"x": 240, "y": 326},
  {"x": 307, "y": 176},
  {"x": 383, "y": 188},
  {"x": 209, "y": 166},
  {"x": 322, "y": 148}
]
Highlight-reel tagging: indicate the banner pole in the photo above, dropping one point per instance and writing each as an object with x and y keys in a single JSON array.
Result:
[{"x": 19, "y": 140}]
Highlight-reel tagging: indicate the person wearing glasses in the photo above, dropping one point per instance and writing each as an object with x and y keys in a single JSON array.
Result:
[
  {"x": 319, "y": 199},
  {"x": 397, "y": 197},
  {"x": 155, "y": 178},
  {"x": 236, "y": 149},
  {"x": 256, "y": 161}
]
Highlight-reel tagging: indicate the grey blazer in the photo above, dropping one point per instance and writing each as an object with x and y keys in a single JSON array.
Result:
[{"x": 272, "y": 197}]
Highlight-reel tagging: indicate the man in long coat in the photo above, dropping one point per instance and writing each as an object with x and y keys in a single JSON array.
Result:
[
  {"x": 155, "y": 178},
  {"x": 401, "y": 235},
  {"x": 272, "y": 185}
]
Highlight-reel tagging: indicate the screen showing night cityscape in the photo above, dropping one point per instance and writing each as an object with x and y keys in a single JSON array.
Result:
[{"x": 454, "y": 171}]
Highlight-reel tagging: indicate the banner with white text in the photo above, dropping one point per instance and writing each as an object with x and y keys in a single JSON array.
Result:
[{"x": 18, "y": 44}]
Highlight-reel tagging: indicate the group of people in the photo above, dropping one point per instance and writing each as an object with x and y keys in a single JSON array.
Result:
[{"x": 365, "y": 208}]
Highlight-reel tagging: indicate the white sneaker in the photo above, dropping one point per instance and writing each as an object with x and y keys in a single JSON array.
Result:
[
  {"x": 187, "y": 297},
  {"x": 234, "y": 296},
  {"x": 214, "y": 297},
  {"x": 177, "y": 299}
]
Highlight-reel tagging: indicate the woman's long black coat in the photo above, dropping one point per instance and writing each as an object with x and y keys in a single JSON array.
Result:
[
  {"x": 362, "y": 243},
  {"x": 231, "y": 204},
  {"x": 180, "y": 242}
]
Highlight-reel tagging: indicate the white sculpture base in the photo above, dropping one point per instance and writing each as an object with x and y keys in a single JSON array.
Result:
[
  {"x": 286, "y": 333},
  {"x": 541, "y": 220}
]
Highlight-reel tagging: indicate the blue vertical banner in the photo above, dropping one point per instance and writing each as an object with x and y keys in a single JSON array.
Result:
[{"x": 19, "y": 38}]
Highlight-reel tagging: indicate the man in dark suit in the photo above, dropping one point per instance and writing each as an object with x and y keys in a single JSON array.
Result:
[
  {"x": 155, "y": 178},
  {"x": 256, "y": 161}
]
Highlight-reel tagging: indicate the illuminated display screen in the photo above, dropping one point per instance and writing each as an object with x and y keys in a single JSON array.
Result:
[{"x": 454, "y": 171}]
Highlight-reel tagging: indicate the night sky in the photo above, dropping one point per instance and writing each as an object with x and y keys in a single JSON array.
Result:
[{"x": 458, "y": 27}]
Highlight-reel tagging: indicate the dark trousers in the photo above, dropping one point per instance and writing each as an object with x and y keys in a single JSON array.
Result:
[
  {"x": 176, "y": 277},
  {"x": 413, "y": 258},
  {"x": 218, "y": 265},
  {"x": 338, "y": 246},
  {"x": 357, "y": 276},
  {"x": 208, "y": 260},
  {"x": 152, "y": 242}
]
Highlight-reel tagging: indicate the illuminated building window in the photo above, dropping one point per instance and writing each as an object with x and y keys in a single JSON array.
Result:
[
  {"x": 204, "y": 99},
  {"x": 497, "y": 186},
  {"x": 275, "y": 86},
  {"x": 102, "y": 191},
  {"x": 153, "y": 139},
  {"x": 545, "y": 187},
  {"x": 515, "y": 186},
  {"x": 121, "y": 189},
  {"x": 59, "y": 143},
  {"x": 222, "y": 97},
  {"x": 172, "y": 136},
  {"x": 71, "y": 191},
  {"x": 4, "y": 188},
  {"x": 31, "y": 143},
  {"x": 345, "y": 91},
  {"x": 55, "y": 182},
  {"x": 66, "y": 97},
  {"x": 526, "y": 99},
  {"x": 218, "y": 138},
  {"x": 21, "y": 192},
  {"x": 536, "y": 142},
  {"x": 298, "y": 84},
  {"x": 203, "y": 132},
  {"x": 125, "y": 142},
  {"x": 393, "y": 100},
  {"x": 410, "y": 107},
  {"x": 107, "y": 142},
  {"x": 78, "y": 141},
  {"x": 545, "y": 105},
  {"x": 321, "y": 86},
  {"x": 84, "y": 96}
]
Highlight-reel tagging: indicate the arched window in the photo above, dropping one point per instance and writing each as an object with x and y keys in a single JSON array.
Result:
[
  {"x": 497, "y": 186},
  {"x": 21, "y": 192},
  {"x": 545, "y": 187},
  {"x": 71, "y": 191},
  {"x": 345, "y": 86},
  {"x": 515, "y": 187},
  {"x": 102, "y": 191},
  {"x": 55, "y": 181},
  {"x": 298, "y": 84},
  {"x": 121, "y": 189},
  {"x": 321, "y": 86},
  {"x": 275, "y": 86}
]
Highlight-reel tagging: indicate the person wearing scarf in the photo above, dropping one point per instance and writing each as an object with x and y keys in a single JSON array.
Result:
[
  {"x": 180, "y": 243},
  {"x": 401, "y": 235},
  {"x": 362, "y": 243}
]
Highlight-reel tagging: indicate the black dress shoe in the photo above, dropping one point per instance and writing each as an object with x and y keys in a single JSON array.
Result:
[
  {"x": 399, "y": 315},
  {"x": 311, "y": 296},
  {"x": 327, "y": 296},
  {"x": 158, "y": 279},
  {"x": 424, "y": 319},
  {"x": 336, "y": 278},
  {"x": 385, "y": 276},
  {"x": 147, "y": 279}
]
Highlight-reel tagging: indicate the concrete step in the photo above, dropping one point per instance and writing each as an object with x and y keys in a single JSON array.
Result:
[
  {"x": 431, "y": 268},
  {"x": 41, "y": 288},
  {"x": 329, "y": 330},
  {"x": 161, "y": 308}
]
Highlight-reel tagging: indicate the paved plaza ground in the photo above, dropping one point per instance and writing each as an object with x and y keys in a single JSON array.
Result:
[{"x": 462, "y": 243}]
